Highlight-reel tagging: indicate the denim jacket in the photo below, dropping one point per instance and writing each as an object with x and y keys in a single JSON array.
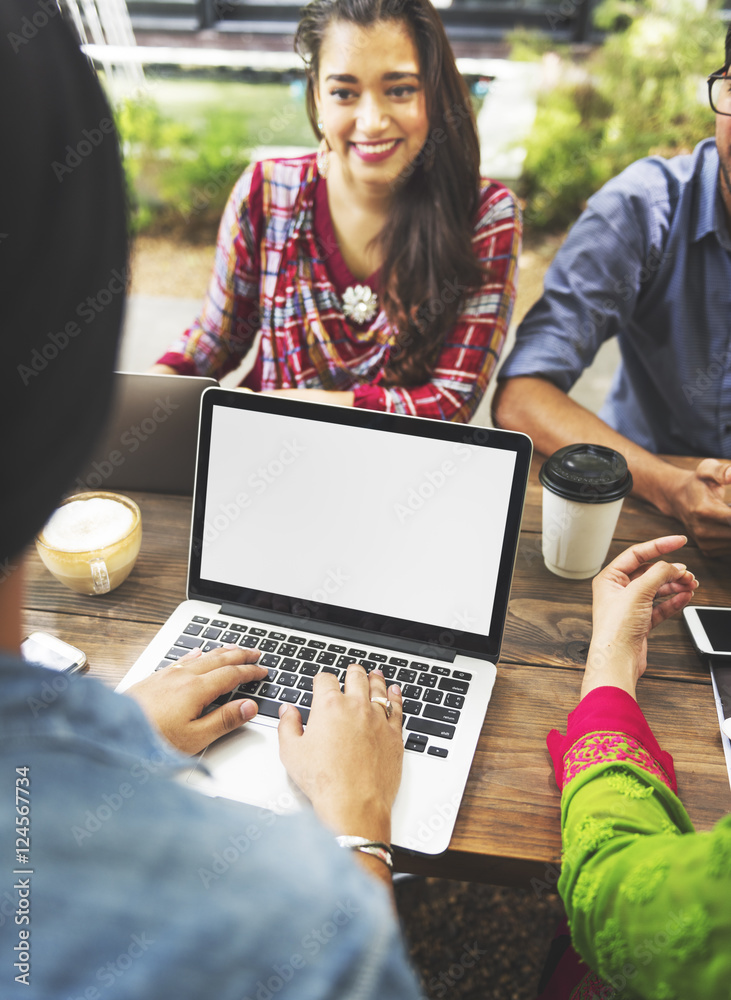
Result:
[{"x": 117, "y": 881}]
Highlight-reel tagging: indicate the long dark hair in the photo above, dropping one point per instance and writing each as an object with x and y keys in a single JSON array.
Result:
[{"x": 427, "y": 241}]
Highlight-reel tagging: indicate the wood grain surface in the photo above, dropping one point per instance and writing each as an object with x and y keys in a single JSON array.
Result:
[{"x": 507, "y": 829}]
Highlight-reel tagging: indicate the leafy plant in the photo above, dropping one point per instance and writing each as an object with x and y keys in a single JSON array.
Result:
[{"x": 642, "y": 94}]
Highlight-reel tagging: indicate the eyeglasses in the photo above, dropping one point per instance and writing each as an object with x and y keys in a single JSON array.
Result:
[{"x": 719, "y": 92}]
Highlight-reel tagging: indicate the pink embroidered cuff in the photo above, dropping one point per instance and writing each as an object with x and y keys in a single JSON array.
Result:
[
  {"x": 607, "y": 725},
  {"x": 181, "y": 364}
]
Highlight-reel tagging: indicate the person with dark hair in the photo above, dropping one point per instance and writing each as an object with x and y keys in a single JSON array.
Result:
[
  {"x": 649, "y": 262},
  {"x": 117, "y": 880},
  {"x": 381, "y": 271}
]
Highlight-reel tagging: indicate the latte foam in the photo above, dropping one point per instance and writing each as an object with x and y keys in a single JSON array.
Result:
[{"x": 86, "y": 525}]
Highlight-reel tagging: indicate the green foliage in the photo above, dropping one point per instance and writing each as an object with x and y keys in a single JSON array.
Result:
[
  {"x": 643, "y": 93},
  {"x": 185, "y": 149}
]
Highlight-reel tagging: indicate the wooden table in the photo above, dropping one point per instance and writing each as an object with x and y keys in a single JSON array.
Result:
[{"x": 508, "y": 826}]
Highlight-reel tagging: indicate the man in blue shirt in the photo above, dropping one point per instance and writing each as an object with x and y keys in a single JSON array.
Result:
[
  {"x": 118, "y": 881},
  {"x": 649, "y": 262}
]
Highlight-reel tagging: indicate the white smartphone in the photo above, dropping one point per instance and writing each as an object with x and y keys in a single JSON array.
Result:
[
  {"x": 48, "y": 651},
  {"x": 710, "y": 630}
]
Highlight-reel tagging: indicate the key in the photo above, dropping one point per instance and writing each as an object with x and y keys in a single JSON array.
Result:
[
  {"x": 230, "y": 636},
  {"x": 188, "y": 642},
  {"x": 219, "y": 623},
  {"x": 192, "y": 629},
  {"x": 200, "y": 620},
  {"x": 287, "y": 680},
  {"x": 417, "y": 665},
  {"x": 442, "y": 671},
  {"x": 268, "y": 660},
  {"x": 440, "y": 729},
  {"x": 316, "y": 643},
  {"x": 208, "y": 646},
  {"x": 237, "y": 628},
  {"x": 211, "y": 633},
  {"x": 398, "y": 662},
  {"x": 305, "y": 684},
  {"x": 441, "y": 714},
  {"x": 257, "y": 631},
  {"x": 279, "y": 636},
  {"x": 268, "y": 645},
  {"x": 410, "y": 744},
  {"x": 410, "y": 691},
  {"x": 306, "y": 700},
  {"x": 456, "y": 687},
  {"x": 454, "y": 701},
  {"x": 358, "y": 653},
  {"x": 326, "y": 658},
  {"x": 411, "y": 707},
  {"x": 287, "y": 649},
  {"x": 270, "y": 690},
  {"x": 250, "y": 641},
  {"x": 435, "y": 697},
  {"x": 334, "y": 648},
  {"x": 306, "y": 653},
  {"x": 462, "y": 676},
  {"x": 378, "y": 657},
  {"x": 307, "y": 669},
  {"x": 290, "y": 696},
  {"x": 427, "y": 680},
  {"x": 438, "y": 751},
  {"x": 297, "y": 640},
  {"x": 406, "y": 676}
]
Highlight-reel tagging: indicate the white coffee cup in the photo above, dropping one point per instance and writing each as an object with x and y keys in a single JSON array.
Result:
[{"x": 584, "y": 486}]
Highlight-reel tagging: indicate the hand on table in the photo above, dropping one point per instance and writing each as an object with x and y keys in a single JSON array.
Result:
[
  {"x": 630, "y": 597},
  {"x": 701, "y": 506},
  {"x": 348, "y": 760},
  {"x": 173, "y": 699}
]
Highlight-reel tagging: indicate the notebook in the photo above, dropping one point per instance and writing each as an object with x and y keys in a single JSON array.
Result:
[
  {"x": 150, "y": 439},
  {"x": 324, "y": 534}
]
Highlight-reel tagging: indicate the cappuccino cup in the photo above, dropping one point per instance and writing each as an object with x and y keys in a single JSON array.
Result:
[
  {"x": 91, "y": 541},
  {"x": 584, "y": 486}
]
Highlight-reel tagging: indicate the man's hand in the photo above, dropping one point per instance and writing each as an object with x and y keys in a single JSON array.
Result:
[
  {"x": 348, "y": 760},
  {"x": 173, "y": 699},
  {"x": 701, "y": 505},
  {"x": 630, "y": 597}
]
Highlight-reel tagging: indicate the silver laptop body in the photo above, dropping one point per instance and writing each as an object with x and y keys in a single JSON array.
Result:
[
  {"x": 150, "y": 439},
  {"x": 323, "y": 534}
]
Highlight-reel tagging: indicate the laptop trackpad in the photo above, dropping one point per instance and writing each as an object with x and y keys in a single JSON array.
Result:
[{"x": 245, "y": 766}]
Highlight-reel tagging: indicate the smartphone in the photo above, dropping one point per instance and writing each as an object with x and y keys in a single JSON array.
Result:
[
  {"x": 710, "y": 630},
  {"x": 48, "y": 651}
]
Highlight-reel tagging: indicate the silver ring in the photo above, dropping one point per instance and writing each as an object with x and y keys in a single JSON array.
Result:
[{"x": 387, "y": 706}]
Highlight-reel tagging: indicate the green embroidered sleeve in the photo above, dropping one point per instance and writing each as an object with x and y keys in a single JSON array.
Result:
[{"x": 648, "y": 899}]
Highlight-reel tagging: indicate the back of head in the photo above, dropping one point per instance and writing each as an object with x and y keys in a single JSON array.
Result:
[{"x": 63, "y": 252}]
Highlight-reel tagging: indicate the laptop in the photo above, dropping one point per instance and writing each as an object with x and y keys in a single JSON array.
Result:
[
  {"x": 324, "y": 534},
  {"x": 150, "y": 439}
]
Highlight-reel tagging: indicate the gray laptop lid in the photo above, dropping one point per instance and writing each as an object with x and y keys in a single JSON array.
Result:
[{"x": 150, "y": 439}]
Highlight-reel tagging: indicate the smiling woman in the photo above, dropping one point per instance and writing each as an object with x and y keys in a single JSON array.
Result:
[{"x": 381, "y": 271}]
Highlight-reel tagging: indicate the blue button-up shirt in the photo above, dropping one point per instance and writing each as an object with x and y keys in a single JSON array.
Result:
[
  {"x": 649, "y": 262},
  {"x": 119, "y": 882}
]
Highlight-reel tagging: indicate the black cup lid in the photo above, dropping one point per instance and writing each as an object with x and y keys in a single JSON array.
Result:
[{"x": 587, "y": 473}]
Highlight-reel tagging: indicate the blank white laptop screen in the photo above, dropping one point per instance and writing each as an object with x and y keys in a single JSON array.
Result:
[{"x": 392, "y": 524}]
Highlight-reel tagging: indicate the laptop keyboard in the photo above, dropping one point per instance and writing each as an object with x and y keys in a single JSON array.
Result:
[{"x": 433, "y": 694}]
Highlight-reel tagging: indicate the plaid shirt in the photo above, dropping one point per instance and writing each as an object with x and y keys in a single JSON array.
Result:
[{"x": 275, "y": 261}]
